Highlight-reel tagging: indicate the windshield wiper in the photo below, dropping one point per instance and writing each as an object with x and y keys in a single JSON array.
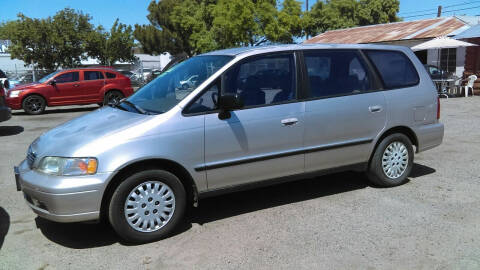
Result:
[{"x": 136, "y": 107}]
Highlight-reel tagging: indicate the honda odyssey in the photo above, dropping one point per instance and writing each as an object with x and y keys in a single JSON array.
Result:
[{"x": 252, "y": 116}]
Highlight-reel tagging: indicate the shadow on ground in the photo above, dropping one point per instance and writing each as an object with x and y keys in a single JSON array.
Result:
[
  {"x": 10, "y": 130},
  {"x": 420, "y": 170},
  {"x": 82, "y": 235},
  {"x": 60, "y": 110},
  {"x": 4, "y": 225}
]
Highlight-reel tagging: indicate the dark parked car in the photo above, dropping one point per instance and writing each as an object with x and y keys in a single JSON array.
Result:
[
  {"x": 5, "y": 112},
  {"x": 435, "y": 72},
  {"x": 70, "y": 87}
]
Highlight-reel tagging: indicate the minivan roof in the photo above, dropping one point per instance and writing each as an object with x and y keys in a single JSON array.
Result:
[{"x": 291, "y": 47}]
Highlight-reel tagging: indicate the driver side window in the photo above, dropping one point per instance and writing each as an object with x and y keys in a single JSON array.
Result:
[
  {"x": 207, "y": 101},
  {"x": 67, "y": 77},
  {"x": 263, "y": 80}
]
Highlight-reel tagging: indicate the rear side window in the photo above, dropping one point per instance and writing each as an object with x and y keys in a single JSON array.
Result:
[
  {"x": 111, "y": 75},
  {"x": 336, "y": 73},
  {"x": 92, "y": 75},
  {"x": 395, "y": 68}
]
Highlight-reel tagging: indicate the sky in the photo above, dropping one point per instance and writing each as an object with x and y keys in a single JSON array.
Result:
[{"x": 132, "y": 12}]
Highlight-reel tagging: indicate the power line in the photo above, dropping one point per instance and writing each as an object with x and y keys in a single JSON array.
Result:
[
  {"x": 445, "y": 11},
  {"x": 461, "y": 4},
  {"x": 433, "y": 9}
]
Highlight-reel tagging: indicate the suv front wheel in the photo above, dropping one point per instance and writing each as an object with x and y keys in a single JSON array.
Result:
[
  {"x": 34, "y": 104},
  {"x": 147, "y": 206},
  {"x": 392, "y": 161}
]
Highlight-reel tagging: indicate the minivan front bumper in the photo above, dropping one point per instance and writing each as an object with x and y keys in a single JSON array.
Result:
[{"x": 61, "y": 198}]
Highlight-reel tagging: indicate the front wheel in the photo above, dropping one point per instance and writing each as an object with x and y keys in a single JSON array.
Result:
[
  {"x": 147, "y": 206},
  {"x": 34, "y": 104},
  {"x": 392, "y": 161}
]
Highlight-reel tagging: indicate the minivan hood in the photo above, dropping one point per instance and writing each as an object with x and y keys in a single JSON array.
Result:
[{"x": 68, "y": 138}]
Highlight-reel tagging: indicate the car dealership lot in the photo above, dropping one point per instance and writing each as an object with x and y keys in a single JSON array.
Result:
[{"x": 335, "y": 221}]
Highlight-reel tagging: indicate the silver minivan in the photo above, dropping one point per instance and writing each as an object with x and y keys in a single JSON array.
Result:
[{"x": 252, "y": 116}]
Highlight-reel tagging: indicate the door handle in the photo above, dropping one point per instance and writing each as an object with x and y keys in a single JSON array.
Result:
[
  {"x": 76, "y": 85},
  {"x": 374, "y": 109},
  {"x": 289, "y": 121}
]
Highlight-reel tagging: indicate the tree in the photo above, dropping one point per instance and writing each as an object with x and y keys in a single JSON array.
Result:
[
  {"x": 70, "y": 29},
  {"x": 113, "y": 46},
  {"x": 49, "y": 43},
  {"x": 253, "y": 23},
  {"x": 177, "y": 26},
  {"x": 337, "y": 14}
]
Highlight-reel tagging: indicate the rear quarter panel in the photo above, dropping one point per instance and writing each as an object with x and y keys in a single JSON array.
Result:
[
  {"x": 414, "y": 107},
  {"x": 120, "y": 83}
]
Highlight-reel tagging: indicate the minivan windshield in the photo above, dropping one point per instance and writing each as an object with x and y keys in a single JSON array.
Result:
[{"x": 173, "y": 85}]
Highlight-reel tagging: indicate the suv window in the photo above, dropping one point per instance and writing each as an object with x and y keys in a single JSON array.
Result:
[
  {"x": 92, "y": 75},
  {"x": 263, "y": 80},
  {"x": 395, "y": 69},
  {"x": 67, "y": 77},
  {"x": 334, "y": 73},
  {"x": 111, "y": 75}
]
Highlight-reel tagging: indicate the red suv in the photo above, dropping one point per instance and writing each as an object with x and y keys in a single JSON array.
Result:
[{"x": 70, "y": 87}]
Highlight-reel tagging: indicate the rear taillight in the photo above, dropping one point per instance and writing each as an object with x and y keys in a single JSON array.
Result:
[{"x": 438, "y": 108}]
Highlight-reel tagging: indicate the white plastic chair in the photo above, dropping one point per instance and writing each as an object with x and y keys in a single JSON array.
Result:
[{"x": 471, "y": 81}]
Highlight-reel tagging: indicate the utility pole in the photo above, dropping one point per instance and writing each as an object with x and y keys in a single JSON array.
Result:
[
  {"x": 439, "y": 12},
  {"x": 306, "y": 5}
]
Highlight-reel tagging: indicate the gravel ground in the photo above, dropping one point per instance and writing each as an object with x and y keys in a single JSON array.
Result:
[{"x": 333, "y": 222}]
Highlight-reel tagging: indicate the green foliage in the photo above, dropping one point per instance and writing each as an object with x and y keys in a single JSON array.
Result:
[
  {"x": 113, "y": 46},
  {"x": 185, "y": 27},
  {"x": 31, "y": 41},
  {"x": 197, "y": 26},
  {"x": 337, "y": 14},
  {"x": 65, "y": 39},
  {"x": 177, "y": 26}
]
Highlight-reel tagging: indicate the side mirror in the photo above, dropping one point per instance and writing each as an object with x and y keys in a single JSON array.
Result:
[
  {"x": 53, "y": 82},
  {"x": 227, "y": 103}
]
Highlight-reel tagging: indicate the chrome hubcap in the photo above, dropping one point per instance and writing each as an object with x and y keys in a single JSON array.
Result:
[
  {"x": 149, "y": 206},
  {"x": 395, "y": 160}
]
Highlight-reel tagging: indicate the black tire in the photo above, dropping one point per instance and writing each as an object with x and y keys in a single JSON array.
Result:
[
  {"x": 34, "y": 104},
  {"x": 112, "y": 96},
  {"x": 116, "y": 209},
  {"x": 376, "y": 173}
]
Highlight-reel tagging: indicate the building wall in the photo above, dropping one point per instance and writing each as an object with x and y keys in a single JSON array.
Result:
[{"x": 11, "y": 65}]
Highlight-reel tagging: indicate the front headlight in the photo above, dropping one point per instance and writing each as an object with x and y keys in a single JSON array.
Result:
[
  {"x": 68, "y": 166},
  {"x": 14, "y": 93}
]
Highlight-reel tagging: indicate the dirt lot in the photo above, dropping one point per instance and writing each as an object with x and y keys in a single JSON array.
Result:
[{"x": 333, "y": 222}]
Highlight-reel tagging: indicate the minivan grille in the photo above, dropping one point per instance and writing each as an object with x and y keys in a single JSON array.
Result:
[{"x": 31, "y": 156}]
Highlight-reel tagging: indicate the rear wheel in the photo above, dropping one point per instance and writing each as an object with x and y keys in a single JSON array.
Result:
[
  {"x": 34, "y": 104},
  {"x": 147, "y": 206},
  {"x": 392, "y": 161},
  {"x": 112, "y": 97}
]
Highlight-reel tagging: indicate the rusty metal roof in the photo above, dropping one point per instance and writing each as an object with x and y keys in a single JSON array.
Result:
[{"x": 420, "y": 29}]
